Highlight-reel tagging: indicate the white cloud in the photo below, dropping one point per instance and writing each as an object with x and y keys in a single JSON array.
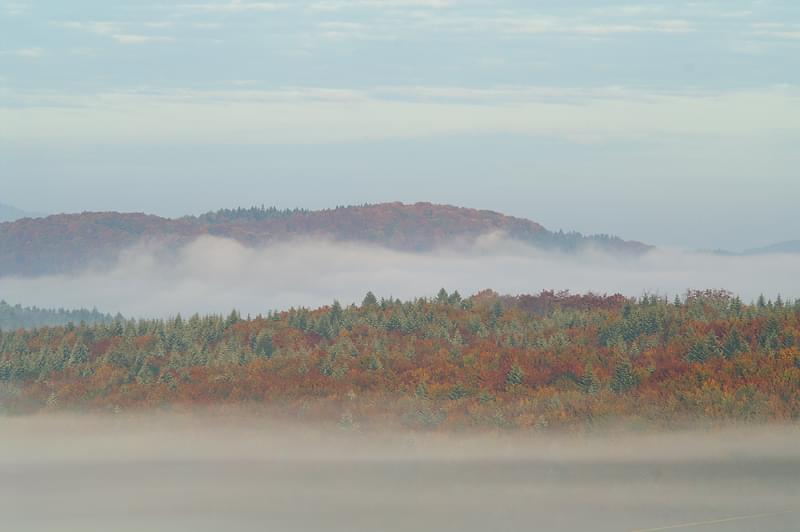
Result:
[
  {"x": 521, "y": 23},
  {"x": 30, "y": 53},
  {"x": 236, "y": 6},
  {"x": 215, "y": 275},
  {"x": 126, "y": 38},
  {"x": 96, "y": 27},
  {"x": 305, "y": 115},
  {"x": 336, "y": 5},
  {"x": 777, "y": 30},
  {"x": 158, "y": 24},
  {"x": 206, "y": 25},
  {"x": 342, "y": 30},
  {"x": 628, "y": 10},
  {"x": 115, "y": 31},
  {"x": 16, "y": 8}
]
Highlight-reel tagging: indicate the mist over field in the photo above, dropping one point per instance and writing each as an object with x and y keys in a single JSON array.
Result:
[
  {"x": 226, "y": 471},
  {"x": 215, "y": 275}
]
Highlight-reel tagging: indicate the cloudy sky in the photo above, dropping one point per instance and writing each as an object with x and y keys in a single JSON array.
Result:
[{"x": 675, "y": 123}]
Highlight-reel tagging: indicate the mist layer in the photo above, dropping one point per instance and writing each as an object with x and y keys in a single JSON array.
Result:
[{"x": 214, "y": 275}]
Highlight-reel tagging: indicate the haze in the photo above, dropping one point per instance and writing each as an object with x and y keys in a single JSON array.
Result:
[
  {"x": 216, "y": 275},
  {"x": 670, "y": 123},
  {"x": 225, "y": 470}
]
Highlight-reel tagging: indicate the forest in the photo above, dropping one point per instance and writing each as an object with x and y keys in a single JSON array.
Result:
[
  {"x": 19, "y": 317},
  {"x": 528, "y": 362},
  {"x": 74, "y": 243}
]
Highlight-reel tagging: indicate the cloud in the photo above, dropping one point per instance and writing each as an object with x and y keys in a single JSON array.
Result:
[
  {"x": 320, "y": 115},
  {"x": 96, "y": 27},
  {"x": 29, "y": 53},
  {"x": 777, "y": 30},
  {"x": 125, "y": 38},
  {"x": 158, "y": 24},
  {"x": 525, "y": 24},
  {"x": 115, "y": 31},
  {"x": 17, "y": 8},
  {"x": 336, "y": 5},
  {"x": 215, "y": 275},
  {"x": 628, "y": 10},
  {"x": 236, "y": 6},
  {"x": 339, "y": 30}
]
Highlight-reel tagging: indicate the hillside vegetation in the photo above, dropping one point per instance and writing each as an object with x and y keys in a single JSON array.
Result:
[
  {"x": 71, "y": 242},
  {"x": 526, "y": 362},
  {"x": 18, "y": 317}
]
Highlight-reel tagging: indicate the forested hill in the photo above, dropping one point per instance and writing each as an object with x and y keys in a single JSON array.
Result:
[
  {"x": 14, "y": 317},
  {"x": 791, "y": 246},
  {"x": 70, "y": 242},
  {"x": 529, "y": 362}
]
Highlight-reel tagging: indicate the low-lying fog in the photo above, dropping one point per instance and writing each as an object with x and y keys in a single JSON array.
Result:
[
  {"x": 215, "y": 275},
  {"x": 234, "y": 473}
]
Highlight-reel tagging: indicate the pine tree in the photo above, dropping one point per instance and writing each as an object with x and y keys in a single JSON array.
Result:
[
  {"x": 79, "y": 355},
  {"x": 515, "y": 376},
  {"x": 442, "y": 297},
  {"x": 624, "y": 379},
  {"x": 734, "y": 344},
  {"x": 336, "y": 312},
  {"x": 369, "y": 300},
  {"x": 589, "y": 382},
  {"x": 262, "y": 345}
]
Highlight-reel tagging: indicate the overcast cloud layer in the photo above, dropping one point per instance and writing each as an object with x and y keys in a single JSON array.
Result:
[{"x": 216, "y": 275}]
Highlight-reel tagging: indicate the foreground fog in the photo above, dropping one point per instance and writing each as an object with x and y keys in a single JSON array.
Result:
[
  {"x": 211, "y": 473},
  {"x": 215, "y": 275}
]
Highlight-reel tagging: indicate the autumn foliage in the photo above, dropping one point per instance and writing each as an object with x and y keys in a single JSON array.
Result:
[
  {"x": 489, "y": 361},
  {"x": 72, "y": 242}
]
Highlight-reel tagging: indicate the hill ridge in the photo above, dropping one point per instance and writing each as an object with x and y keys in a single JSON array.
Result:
[
  {"x": 9, "y": 213},
  {"x": 64, "y": 243}
]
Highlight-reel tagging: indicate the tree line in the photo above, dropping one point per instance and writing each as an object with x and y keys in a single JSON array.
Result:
[
  {"x": 18, "y": 317},
  {"x": 490, "y": 361}
]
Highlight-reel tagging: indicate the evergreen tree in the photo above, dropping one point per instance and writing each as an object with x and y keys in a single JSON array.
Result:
[
  {"x": 369, "y": 300},
  {"x": 262, "y": 345},
  {"x": 623, "y": 379},
  {"x": 79, "y": 355},
  {"x": 515, "y": 376},
  {"x": 589, "y": 383},
  {"x": 442, "y": 297},
  {"x": 734, "y": 344}
]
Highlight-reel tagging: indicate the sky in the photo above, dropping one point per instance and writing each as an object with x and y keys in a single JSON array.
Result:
[{"x": 674, "y": 123}]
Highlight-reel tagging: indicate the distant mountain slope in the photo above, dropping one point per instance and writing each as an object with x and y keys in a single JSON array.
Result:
[
  {"x": 69, "y": 242},
  {"x": 791, "y": 246},
  {"x": 18, "y": 317},
  {"x": 9, "y": 213}
]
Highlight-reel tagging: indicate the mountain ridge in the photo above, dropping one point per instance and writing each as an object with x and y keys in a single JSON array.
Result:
[
  {"x": 65, "y": 243},
  {"x": 788, "y": 246},
  {"x": 9, "y": 213}
]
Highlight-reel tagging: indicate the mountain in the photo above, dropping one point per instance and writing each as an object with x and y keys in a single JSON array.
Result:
[
  {"x": 9, "y": 213},
  {"x": 70, "y": 242},
  {"x": 790, "y": 246}
]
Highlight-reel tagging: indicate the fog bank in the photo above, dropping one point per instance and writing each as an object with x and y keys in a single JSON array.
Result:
[
  {"x": 221, "y": 472},
  {"x": 215, "y": 275}
]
